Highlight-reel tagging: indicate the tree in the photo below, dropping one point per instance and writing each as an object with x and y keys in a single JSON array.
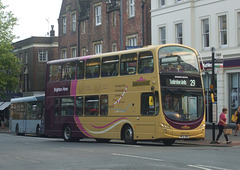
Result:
[{"x": 9, "y": 64}]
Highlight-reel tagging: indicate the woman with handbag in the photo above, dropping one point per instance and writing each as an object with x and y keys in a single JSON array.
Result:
[
  {"x": 222, "y": 124},
  {"x": 237, "y": 115}
]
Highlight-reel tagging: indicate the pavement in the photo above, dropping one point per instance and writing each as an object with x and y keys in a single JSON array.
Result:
[{"x": 207, "y": 141}]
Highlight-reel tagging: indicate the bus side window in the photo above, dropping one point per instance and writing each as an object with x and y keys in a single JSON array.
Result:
[
  {"x": 55, "y": 72},
  {"x": 148, "y": 104},
  {"x": 57, "y": 109},
  {"x": 67, "y": 106},
  {"x": 93, "y": 68},
  {"x": 91, "y": 105},
  {"x": 110, "y": 66},
  {"x": 79, "y": 106},
  {"x": 128, "y": 64},
  {"x": 68, "y": 71},
  {"x": 80, "y": 69},
  {"x": 145, "y": 62},
  {"x": 104, "y": 105}
]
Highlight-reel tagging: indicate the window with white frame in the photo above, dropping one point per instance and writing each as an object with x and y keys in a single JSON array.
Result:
[
  {"x": 83, "y": 51},
  {"x": 42, "y": 55},
  {"x": 74, "y": 52},
  {"x": 98, "y": 15},
  {"x": 64, "y": 25},
  {"x": 83, "y": 25},
  {"x": 132, "y": 41},
  {"x": 205, "y": 33},
  {"x": 74, "y": 22},
  {"x": 98, "y": 48},
  {"x": 114, "y": 47},
  {"x": 162, "y": 35},
  {"x": 131, "y": 8},
  {"x": 162, "y": 3},
  {"x": 179, "y": 33},
  {"x": 64, "y": 53},
  {"x": 223, "y": 30},
  {"x": 238, "y": 27}
]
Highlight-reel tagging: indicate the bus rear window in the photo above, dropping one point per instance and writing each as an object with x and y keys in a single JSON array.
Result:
[{"x": 55, "y": 72}]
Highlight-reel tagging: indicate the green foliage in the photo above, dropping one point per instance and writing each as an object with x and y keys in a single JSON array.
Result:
[{"x": 9, "y": 64}]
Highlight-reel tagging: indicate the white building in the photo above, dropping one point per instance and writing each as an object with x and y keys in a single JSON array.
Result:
[{"x": 203, "y": 24}]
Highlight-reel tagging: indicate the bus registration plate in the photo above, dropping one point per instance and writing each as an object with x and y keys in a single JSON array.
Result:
[{"x": 184, "y": 137}]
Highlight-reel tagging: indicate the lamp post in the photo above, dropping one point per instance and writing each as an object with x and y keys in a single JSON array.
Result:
[{"x": 212, "y": 94}]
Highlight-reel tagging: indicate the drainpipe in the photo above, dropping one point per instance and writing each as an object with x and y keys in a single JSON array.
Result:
[{"x": 143, "y": 30}]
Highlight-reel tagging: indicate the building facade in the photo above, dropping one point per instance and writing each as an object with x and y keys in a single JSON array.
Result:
[
  {"x": 33, "y": 53},
  {"x": 99, "y": 26},
  {"x": 203, "y": 24}
]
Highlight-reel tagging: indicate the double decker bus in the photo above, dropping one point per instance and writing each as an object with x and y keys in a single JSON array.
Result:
[
  {"x": 152, "y": 93},
  {"x": 27, "y": 115}
]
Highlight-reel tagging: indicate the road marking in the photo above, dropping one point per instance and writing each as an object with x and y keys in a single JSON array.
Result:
[
  {"x": 138, "y": 157},
  {"x": 206, "y": 167},
  {"x": 134, "y": 146},
  {"x": 85, "y": 150}
]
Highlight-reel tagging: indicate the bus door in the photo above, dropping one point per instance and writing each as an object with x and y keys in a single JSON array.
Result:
[{"x": 149, "y": 109}]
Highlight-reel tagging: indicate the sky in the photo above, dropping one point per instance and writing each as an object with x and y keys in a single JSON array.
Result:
[{"x": 35, "y": 17}]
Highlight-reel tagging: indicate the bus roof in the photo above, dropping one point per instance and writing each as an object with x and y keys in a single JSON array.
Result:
[
  {"x": 150, "y": 47},
  {"x": 28, "y": 99}
]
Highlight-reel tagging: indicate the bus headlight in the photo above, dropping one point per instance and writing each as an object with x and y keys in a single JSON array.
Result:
[
  {"x": 203, "y": 126},
  {"x": 164, "y": 126}
]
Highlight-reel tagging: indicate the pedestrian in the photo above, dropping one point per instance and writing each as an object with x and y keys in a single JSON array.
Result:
[
  {"x": 222, "y": 124},
  {"x": 2, "y": 119},
  {"x": 237, "y": 113}
]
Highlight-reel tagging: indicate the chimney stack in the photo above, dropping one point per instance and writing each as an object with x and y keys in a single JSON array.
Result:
[{"x": 52, "y": 32}]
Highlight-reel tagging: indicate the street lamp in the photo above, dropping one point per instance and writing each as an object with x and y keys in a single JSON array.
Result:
[{"x": 212, "y": 87}]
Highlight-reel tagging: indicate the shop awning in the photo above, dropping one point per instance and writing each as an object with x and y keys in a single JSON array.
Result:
[{"x": 4, "y": 105}]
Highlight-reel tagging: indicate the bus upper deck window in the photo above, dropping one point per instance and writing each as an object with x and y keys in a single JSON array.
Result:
[
  {"x": 80, "y": 69},
  {"x": 55, "y": 72},
  {"x": 110, "y": 66},
  {"x": 128, "y": 64},
  {"x": 68, "y": 71},
  {"x": 145, "y": 64},
  {"x": 93, "y": 68}
]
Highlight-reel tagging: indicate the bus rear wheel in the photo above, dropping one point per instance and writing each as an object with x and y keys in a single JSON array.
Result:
[
  {"x": 128, "y": 135},
  {"x": 168, "y": 142},
  {"x": 67, "y": 134}
]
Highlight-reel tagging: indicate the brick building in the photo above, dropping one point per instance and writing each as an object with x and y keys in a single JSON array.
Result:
[
  {"x": 91, "y": 27},
  {"x": 33, "y": 53}
]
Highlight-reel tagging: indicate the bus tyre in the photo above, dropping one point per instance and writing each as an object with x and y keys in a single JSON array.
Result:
[
  {"x": 67, "y": 134},
  {"x": 128, "y": 135},
  {"x": 38, "y": 130},
  {"x": 17, "y": 130},
  {"x": 168, "y": 142}
]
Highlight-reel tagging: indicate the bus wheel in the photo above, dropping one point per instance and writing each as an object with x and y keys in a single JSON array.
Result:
[
  {"x": 128, "y": 135},
  {"x": 38, "y": 131},
  {"x": 102, "y": 140},
  {"x": 67, "y": 134},
  {"x": 168, "y": 142},
  {"x": 17, "y": 130}
]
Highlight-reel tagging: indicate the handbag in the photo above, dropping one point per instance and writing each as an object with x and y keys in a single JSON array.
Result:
[
  {"x": 227, "y": 131},
  {"x": 234, "y": 118}
]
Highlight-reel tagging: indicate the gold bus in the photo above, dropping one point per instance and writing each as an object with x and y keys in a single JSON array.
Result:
[{"x": 152, "y": 93}]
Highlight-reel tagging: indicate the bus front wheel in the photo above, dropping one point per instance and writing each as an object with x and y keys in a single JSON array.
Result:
[
  {"x": 67, "y": 134},
  {"x": 128, "y": 135},
  {"x": 168, "y": 142}
]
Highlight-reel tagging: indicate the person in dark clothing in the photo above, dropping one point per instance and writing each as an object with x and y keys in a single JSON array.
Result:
[
  {"x": 237, "y": 113},
  {"x": 2, "y": 119}
]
